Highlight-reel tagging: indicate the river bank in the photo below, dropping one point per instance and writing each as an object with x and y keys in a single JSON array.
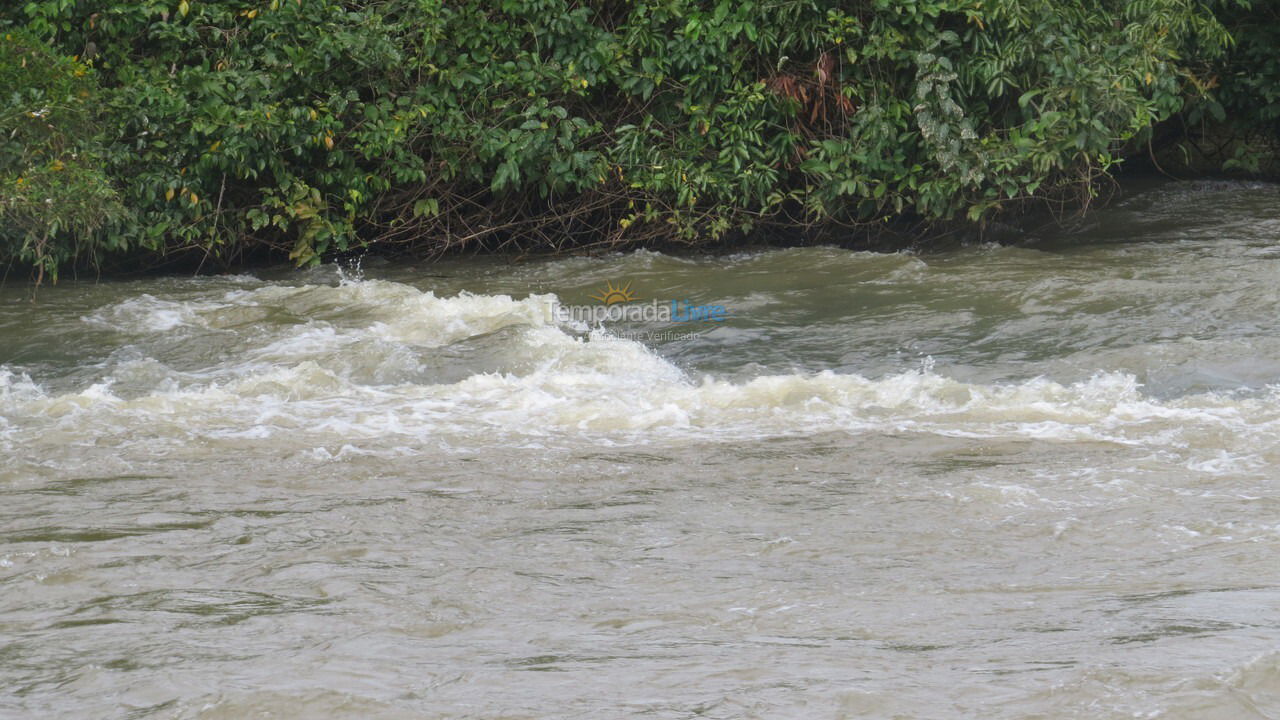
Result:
[{"x": 306, "y": 132}]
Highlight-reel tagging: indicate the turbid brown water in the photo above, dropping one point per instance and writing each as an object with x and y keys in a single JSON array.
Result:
[{"x": 995, "y": 482}]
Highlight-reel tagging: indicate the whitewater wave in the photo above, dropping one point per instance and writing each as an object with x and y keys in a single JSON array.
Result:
[{"x": 376, "y": 361}]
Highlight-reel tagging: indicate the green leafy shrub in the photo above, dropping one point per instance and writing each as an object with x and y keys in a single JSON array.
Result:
[
  {"x": 313, "y": 126},
  {"x": 54, "y": 196},
  {"x": 1237, "y": 126}
]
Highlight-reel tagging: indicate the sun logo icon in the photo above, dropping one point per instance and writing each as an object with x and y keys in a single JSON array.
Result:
[{"x": 611, "y": 295}]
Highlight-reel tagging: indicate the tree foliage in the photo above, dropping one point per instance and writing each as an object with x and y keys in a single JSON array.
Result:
[
  {"x": 54, "y": 195},
  {"x": 1236, "y": 125},
  {"x": 313, "y": 126}
]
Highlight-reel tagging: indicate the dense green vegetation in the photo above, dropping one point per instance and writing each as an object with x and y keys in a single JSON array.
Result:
[
  {"x": 221, "y": 128},
  {"x": 1236, "y": 125}
]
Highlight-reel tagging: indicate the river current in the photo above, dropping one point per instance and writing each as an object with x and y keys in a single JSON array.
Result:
[{"x": 1032, "y": 481}]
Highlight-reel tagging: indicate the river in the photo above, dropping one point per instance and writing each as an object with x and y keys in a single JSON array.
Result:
[{"x": 1033, "y": 481}]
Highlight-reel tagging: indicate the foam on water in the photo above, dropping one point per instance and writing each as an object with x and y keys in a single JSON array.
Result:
[{"x": 373, "y": 360}]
